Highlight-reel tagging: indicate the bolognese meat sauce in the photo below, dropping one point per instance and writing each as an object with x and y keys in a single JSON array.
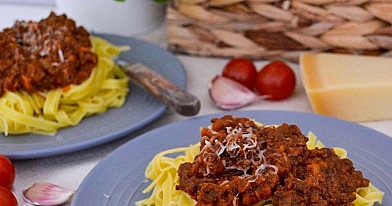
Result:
[
  {"x": 40, "y": 56},
  {"x": 241, "y": 163}
]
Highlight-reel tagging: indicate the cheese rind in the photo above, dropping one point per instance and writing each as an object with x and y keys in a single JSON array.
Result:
[{"x": 354, "y": 88}]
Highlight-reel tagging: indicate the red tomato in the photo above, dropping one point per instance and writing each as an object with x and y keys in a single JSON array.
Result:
[
  {"x": 7, "y": 172},
  {"x": 241, "y": 70},
  {"x": 7, "y": 198},
  {"x": 276, "y": 79}
]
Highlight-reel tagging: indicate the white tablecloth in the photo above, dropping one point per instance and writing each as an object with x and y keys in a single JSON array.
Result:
[{"x": 69, "y": 170}]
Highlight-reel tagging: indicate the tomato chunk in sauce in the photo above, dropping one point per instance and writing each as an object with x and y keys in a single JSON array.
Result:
[
  {"x": 241, "y": 163},
  {"x": 48, "y": 54}
]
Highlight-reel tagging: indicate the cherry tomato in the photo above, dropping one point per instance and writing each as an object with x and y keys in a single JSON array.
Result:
[
  {"x": 276, "y": 79},
  {"x": 7, "y": 172},
  {"x": 241, "y": 70},
  {"x": 7, "y": 198}
]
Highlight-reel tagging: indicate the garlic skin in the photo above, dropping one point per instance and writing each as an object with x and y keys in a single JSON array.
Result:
[
  {"x": 42, "y": 193},
  {"x": 228, "y": 94}
]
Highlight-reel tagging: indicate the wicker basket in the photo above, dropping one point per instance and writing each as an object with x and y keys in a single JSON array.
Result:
[{"x": 279, "y": 29}]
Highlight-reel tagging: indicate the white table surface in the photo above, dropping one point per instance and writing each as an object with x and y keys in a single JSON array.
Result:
[{"x": 68, "y": 170}]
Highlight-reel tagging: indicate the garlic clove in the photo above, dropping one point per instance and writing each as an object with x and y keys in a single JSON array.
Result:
[
  {"x": 42, "y": 193},
  {"x": 229, "y": 94}
]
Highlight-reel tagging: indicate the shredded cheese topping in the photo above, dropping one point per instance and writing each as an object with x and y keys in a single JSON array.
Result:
[{"x": 248, "y": 148}]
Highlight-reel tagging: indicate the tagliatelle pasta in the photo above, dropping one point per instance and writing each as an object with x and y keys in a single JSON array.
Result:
[
  {"x": 45, "y": 113},
  {"x": 163, "y": 168}
]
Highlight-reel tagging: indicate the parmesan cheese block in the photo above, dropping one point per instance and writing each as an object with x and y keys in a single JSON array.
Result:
[{"x": 354, "y": 88}]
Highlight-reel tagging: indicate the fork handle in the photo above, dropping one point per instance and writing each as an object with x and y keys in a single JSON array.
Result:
[{"x": 173, "y": 96}]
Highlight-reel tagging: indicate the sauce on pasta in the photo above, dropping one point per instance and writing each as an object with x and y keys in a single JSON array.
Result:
[
  {"x": 40, "y": 56},
  {"x": 241, "y": 163}
]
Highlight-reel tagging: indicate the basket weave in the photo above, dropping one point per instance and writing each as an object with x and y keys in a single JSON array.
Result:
[{"x": 279, "y": 29}]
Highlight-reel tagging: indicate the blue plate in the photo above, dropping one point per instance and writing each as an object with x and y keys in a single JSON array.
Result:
[
  {"x": 140, "y": 109},
  {"x": 119, "y": 178}
]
